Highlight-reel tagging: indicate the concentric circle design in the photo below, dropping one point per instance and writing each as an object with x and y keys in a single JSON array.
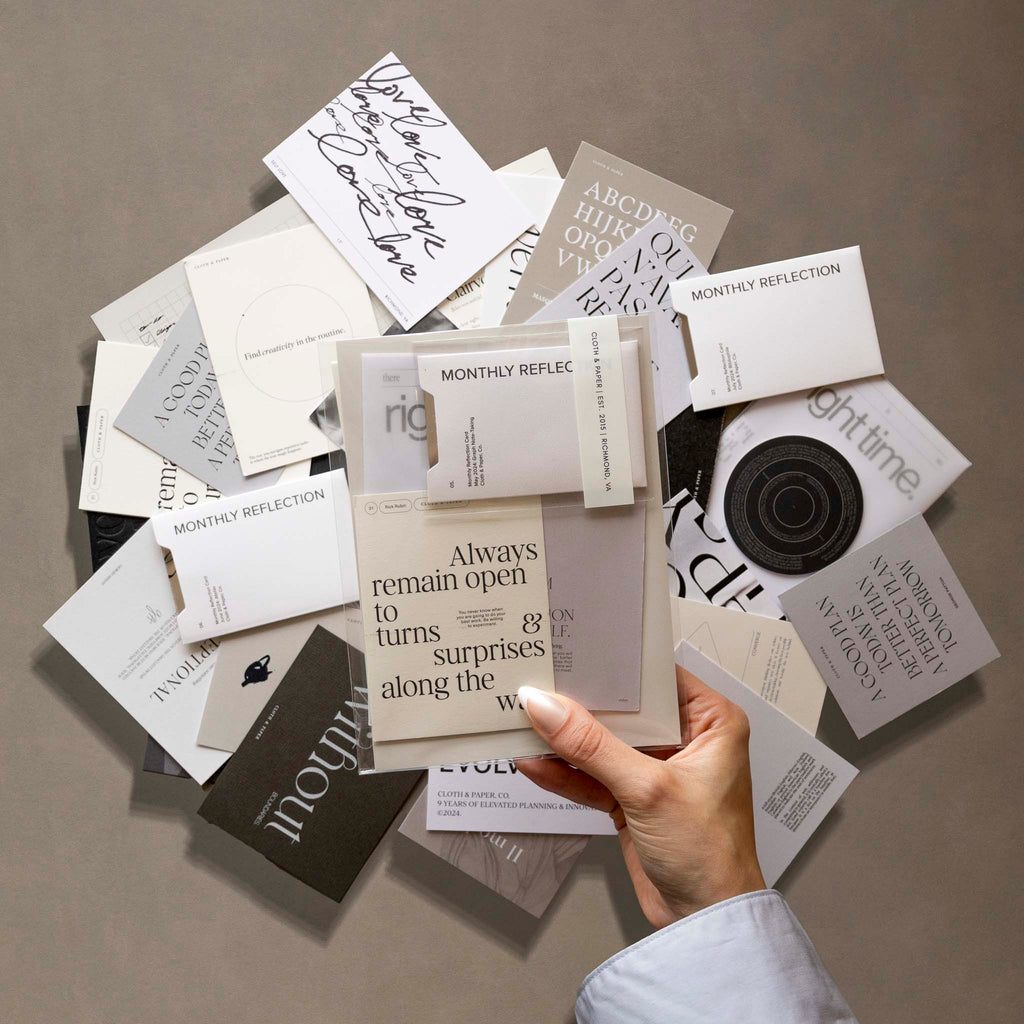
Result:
[{"x": 793, "y": 505}]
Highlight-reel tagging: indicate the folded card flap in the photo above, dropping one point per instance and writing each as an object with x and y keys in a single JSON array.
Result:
[
  {"x": 183, "y": 585},
  {"x": 501, "y": 423},
  {"x": 777, "y": 328},
  {"x": 428, "y": 413}
]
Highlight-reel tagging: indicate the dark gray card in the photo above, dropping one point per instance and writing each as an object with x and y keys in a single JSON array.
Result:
[
  {"x": 889, "y": 626},
  {"x": 176, "y": 409},
  {"x": 292, "y": 790}
]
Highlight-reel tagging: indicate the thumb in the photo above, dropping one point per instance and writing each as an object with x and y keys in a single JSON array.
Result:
[{"x": 575, "y": 735}]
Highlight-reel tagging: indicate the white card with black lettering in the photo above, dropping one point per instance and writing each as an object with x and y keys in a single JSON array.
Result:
[
  {"x": 493, "y": 796},
  {"x": 398, "y": 190},
  {"x": 496, "y": 413},
  {"x": 778, "y": 327},
  {"x": 263, "y": 557},
  {"x": 120, "y": 626},
  {"x": 796, "y": 779}
]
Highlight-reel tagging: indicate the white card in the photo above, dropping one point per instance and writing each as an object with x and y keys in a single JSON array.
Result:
[
  {"x": 465, "y": 306},
  {"x": 796, "y": 779},
  {"x": 261, "y": 557},
  {"x": 779, "y": 327},
  {"x": 264, "y": 307},
  {"x": 398, "y": 190},
  {"x": 900, "y": 460},
  {"x": 503, "y": 274},
  {"x": 121, "y": 476},
  {"x": 765, "y": 654},
  {"x": 493, "y": 796},
  {"x": 144, "y": 315},
  {"x": 706, "y": 566},
  {"x": 120, "y": 626},
  {"x": 506, "y": 422}
]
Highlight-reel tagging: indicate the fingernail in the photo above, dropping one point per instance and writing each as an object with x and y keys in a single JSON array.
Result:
[{"x": 545, "y": 711}]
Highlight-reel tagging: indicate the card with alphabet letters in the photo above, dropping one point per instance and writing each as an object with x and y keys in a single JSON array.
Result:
[
  {"x": 292, "y": 790},
  {"x": 603, "y": 202},
  {"x": 455, "y": 612},
  {"x": 398, "y": 190}
]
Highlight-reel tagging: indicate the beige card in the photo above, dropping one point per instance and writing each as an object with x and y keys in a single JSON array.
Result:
[
  {"x": 249, "y": 666},
  {"x": 455, "y": 612},
  {"x": 603, "y": 202},
  {"x": 766, "y": 655}
]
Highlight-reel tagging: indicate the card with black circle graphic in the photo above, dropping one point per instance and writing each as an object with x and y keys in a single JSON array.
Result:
[
  {"x": 264, "y": 307},
  {"x": 803, "y": 479}
]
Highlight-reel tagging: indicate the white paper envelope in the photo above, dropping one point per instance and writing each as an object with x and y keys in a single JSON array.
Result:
[
  {"x": 779, "y": 327},
  {"x": 796, "y": 780},
  {"x": 504, "y": 422},
  {"x": 257, "y": 558}
]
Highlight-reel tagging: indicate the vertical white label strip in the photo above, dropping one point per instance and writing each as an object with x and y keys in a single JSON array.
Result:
[{"x": 601, "y": 425}]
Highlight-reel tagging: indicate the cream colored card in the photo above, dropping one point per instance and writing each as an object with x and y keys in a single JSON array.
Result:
[
  {"x": 455, "y": 612},
  {"x": 766, "y": 655},
  {"x": 249, "y": 666},
  {"x": 264, "y": 307},
  {"x": 121, "y": 476}
]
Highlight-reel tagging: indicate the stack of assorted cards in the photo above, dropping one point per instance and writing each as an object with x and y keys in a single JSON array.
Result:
[{"x": 421, "y": 432}]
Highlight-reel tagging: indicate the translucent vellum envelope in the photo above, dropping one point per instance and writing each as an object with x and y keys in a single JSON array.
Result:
[{"x": 655, "y": 721}]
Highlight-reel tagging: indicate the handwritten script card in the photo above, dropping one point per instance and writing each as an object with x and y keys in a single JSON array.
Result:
[{"x": 398, "y": 190}]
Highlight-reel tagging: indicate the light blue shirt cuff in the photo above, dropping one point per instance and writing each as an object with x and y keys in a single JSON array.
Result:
[{"x": 745, "y": 959}]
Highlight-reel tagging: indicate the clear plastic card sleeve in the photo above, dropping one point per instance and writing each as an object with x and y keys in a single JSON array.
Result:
[{"x": 383, "y": 421}]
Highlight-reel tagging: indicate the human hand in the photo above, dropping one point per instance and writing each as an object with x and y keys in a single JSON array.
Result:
[{"x": 686, "y": 822}]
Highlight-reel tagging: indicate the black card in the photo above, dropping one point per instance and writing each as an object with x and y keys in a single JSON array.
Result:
[
  {"x": 106, "y": 532},
  {"x": 691, "y": 447},
  {"x": 292, "y": 790}
]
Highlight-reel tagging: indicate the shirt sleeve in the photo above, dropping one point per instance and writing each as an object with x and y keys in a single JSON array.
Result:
[{"x": 745, "y": 959}]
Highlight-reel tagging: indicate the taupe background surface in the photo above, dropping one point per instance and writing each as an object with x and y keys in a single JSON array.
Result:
[{"x": 131, "y": 134}]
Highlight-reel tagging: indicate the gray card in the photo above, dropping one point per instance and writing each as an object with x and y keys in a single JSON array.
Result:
[
  {"x": 595, "y": 560},
  {"x": 176, "y": 410},
  {"x": 527, "y": 870},
  {"x": 889, "y": 626}
]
